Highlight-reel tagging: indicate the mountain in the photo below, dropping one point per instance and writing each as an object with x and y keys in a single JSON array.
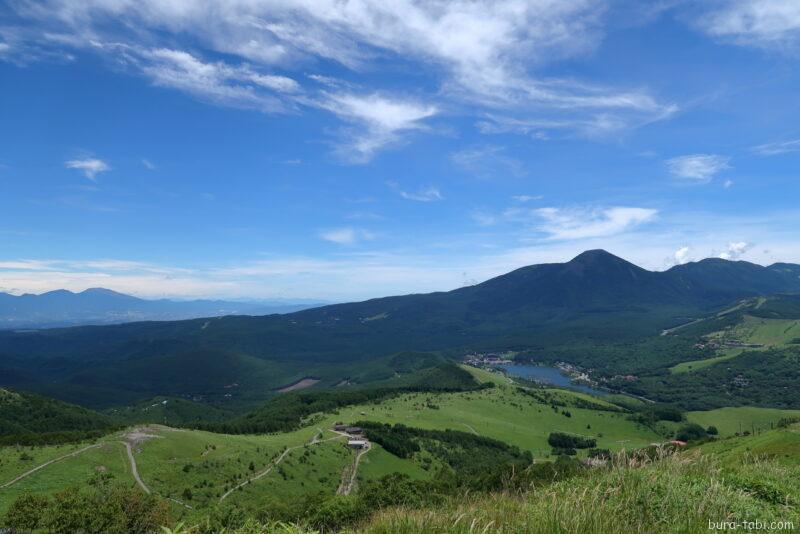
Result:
[
  {"x": 103, "y": 306},
  {"x": 596, "y": 309},
  {"x": 714, "y": 277}
]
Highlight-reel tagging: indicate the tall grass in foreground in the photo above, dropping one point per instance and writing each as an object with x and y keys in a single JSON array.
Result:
[{"x": 677, "y": 493}]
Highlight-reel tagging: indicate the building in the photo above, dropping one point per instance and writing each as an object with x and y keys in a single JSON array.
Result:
[
  {"x": 357, "y": 443},
  {"x": 339, "y": 427},
  {"x": 355, "y": 430}
]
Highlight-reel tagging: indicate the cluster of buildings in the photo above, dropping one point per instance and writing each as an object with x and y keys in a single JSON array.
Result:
[
  {"x": 488, "y": 358},
  {"x": 356, "y": 439}
]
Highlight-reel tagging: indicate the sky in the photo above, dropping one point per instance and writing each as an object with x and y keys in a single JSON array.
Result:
[{"x": 344, "y": 150}]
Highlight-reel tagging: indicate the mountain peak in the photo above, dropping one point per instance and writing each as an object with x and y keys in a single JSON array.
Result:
[
  {"x": 102, "y": 291},
  {"x": 596, "y": 255}
]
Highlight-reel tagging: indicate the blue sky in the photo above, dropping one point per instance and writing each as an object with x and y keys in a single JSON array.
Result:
[{"x": 346, "y": 150}]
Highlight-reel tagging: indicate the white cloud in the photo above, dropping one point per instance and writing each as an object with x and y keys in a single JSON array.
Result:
[
  {"x": 776, "y": 149},
  {"x": 426, "y": 194},
  {"x": 526, "y": 198},
  {"x": 486, "y": 53},
  {"x": 349, "y": 275},
  {"x": 728, "y": 184},
  {"x": 735, "y": 250},
  {"x": 148, "y": 164},
  {"x": 378, "y": 118},
  {"x": 90, "y": 167},
  {"x": 700, "y": 168},
  {"x": 219, "y": 82},
  {"x": 582, "y": 223},
  {"x": 346, "y": 235},
  {"x": 764, "y": 23},
  {"x": 682, "y": 255}
]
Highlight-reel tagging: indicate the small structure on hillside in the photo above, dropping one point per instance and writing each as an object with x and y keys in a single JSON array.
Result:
[
  {"x": 339, "y": 427},
  {"x": 357, "y": 443},
  {"x": 354, "y": 430},
  {"x": 678, "y": 443}
]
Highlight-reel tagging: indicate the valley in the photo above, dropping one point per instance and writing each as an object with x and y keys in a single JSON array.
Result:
[{"x": 461, "y": 398}]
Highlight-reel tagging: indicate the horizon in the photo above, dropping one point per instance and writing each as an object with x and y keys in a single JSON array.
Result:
[
  {"x": 322, "y": 302},
  {"x": 388, "y": 148}
]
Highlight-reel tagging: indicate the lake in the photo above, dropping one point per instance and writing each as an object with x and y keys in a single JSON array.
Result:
[{"x": 548, "y": 375}]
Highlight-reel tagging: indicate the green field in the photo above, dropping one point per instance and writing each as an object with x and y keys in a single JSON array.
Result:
[
  {"x": 195, "y": 468},
  {"x": 108, "y": 459},
  {"x": 744, "y": 418},
  {"x": 198, "y": 470},
  {"x": 696, "y": 365},
  {"x": 771, "y": 333}
]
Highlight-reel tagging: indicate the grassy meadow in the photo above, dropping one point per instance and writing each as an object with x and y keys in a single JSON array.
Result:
[{"x": 769, "y": 333}]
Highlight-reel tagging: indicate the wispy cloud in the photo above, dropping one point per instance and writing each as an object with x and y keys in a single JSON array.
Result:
[
  {"x": 764, "y": 23},
  {"x": 379, "y": 120},
  {"x": 699, "y": 168},
  {"x": 484, "y": 55},
  {"x": 425, "y": 194},
  {"x": 583, "y": 223},
  {"x": 346, "y": 235},
  {"x": 231, "y": 85},
  {"x": 148, "y": 164},
  {"x": 526, "y": 198},
  {"x": 778, "y": 148},
  {"x": 90, "y": 167},
  {"x": 489, "y": 161}
]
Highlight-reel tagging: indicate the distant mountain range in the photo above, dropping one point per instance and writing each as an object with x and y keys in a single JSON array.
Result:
[
  {"x": 103, "y": 306},
  {"x": 594, "y": 309}
]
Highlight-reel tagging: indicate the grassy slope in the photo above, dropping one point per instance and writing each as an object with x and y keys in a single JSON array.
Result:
[
  {"x": 731, "y": 420},
  {"x": 218, "y": 462},
  {"x": 681, "y": 493},
  {"x": 771, "y": 333},
  {"x": 79, "y": 470}
]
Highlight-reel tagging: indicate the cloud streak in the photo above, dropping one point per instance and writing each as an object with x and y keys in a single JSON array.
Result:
[
  {"x": 697, "y": 168},
  {"x": 484, "y": 55},
  {"x": 90, "y": 167},
  {"x": 581, "y": 223}
]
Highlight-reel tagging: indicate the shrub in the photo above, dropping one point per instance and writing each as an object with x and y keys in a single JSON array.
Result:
[{"x": 559, "y": 440}]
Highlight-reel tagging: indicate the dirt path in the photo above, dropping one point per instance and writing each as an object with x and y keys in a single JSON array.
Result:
[
  {"x": 134, "y": 469},
  {"x": 470, "y": 428},
  {"x": 38, "y": 468},
  {"x": 268, "y": 470},
  {"x": 348, "y": 482}
]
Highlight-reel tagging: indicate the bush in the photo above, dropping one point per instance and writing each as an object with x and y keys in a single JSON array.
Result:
[
  {"x": 559, "y": 440},
  {"x": 712, "y": 431},
  {"x": 107, "y": 509},
  {"x": 691, "y": 432}
]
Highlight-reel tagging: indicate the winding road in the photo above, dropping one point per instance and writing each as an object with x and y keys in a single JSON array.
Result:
[
  {"x": 128, "y": 449},
  {"x": 349, "y": 482},
  {"x": 134, "y": 469}
]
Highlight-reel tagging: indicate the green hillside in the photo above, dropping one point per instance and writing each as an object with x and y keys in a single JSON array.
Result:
[
  {"x": 597, "y": 310},
  {"x": 26, "y": 418},
  {"x": 445, "y": 455}
]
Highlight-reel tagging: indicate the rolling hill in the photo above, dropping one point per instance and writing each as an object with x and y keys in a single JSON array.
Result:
[{"x": 591, "y": 305}]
